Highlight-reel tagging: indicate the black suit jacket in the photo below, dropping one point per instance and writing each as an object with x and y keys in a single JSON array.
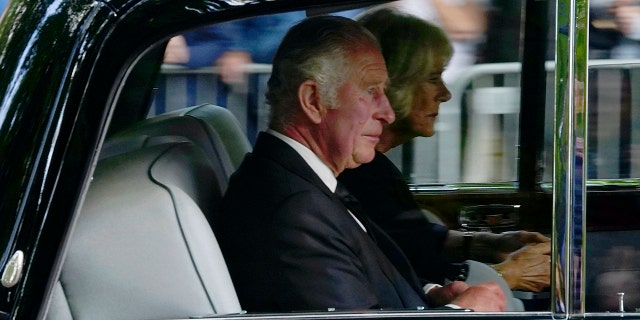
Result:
[
  {"x": 291, "y": 244},
  {"x": 386, "y": 198}
]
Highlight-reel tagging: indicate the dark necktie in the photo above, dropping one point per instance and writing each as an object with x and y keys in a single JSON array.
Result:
[
  {"x": 354, "y": 207},
  {"x": 386, "y": 245}
]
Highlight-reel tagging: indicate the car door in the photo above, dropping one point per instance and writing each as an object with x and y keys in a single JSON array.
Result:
[{"x": 536, "y": 142}]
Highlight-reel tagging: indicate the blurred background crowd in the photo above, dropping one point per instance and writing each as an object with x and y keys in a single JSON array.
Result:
[{"x": 470, "y": 24}]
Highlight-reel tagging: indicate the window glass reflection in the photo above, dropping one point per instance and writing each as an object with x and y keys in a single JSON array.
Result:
[{"x": 612, "y": 255}]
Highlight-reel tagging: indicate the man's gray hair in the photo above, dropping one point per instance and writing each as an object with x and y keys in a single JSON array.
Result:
[{"x": 320, "y": 49}]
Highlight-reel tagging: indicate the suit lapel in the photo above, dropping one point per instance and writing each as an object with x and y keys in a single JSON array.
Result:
[
  {"x": 389, "y": 255},
  {"x": 397, "y": 258},
  {"x": 269, "y": 146}
]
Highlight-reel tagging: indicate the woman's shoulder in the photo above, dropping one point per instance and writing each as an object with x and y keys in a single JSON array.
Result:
[{"x": 378, "y": 170}]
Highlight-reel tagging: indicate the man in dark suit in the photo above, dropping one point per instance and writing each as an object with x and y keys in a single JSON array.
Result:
[{"x": 290, "y": 238}]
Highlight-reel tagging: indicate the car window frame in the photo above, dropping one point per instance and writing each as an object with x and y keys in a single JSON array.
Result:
[
  {"x": 570, "y": 134},
  {"x": 534, "y": 69},
  {"x": 565, "y": 152}
]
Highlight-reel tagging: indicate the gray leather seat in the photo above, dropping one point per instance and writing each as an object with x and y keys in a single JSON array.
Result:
[
  {"x": 212, "y": 128},
  {"x": 142, "y": 248}
]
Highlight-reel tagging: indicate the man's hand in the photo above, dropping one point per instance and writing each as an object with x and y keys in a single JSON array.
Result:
[
  {"x": 528, "y": 268},
  {"x": 484, "y": 297},
  {"x": 177, "y": 51},
  {"x": 440, "y": 296}
]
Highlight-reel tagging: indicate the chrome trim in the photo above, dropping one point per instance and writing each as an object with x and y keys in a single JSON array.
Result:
[
  {"x": 570, "y": 134},
  {"x": 13, "y": 270},
  {"x": 385, "y": 314}
]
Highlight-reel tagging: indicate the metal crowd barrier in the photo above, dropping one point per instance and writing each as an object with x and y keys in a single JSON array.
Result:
[
  {"x": 179, "y": 87},
  {"x": 477, "y": 130}
]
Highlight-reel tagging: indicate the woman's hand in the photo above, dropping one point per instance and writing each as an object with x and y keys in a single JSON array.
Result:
[
  {"x": 528, "y": 268},
  {"x": 508, "y": 242}
]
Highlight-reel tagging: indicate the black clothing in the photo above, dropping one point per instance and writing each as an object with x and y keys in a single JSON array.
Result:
[
  {"x": 290, "y": 243},
  {"x": 385, "y": 196}
]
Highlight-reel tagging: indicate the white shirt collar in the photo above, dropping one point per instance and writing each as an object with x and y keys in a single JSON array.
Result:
[{"x": 320, "y": 168}]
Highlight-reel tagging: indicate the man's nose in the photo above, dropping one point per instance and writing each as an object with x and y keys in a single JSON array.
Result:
[{"x": 385, "y": 112}]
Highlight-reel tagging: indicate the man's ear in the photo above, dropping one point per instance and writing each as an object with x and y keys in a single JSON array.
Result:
[{"x": 309, "y": 98}]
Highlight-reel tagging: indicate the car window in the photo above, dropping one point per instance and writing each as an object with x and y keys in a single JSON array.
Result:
[
  {"x": 478, "y": 138},
  {"x": 227, "y": 64},
  {"x": 540, "y": 134},
  {"x": 612, "y": 221},
  {"x": 483, "y": 77},
  {"x": 477, "y": 130}
]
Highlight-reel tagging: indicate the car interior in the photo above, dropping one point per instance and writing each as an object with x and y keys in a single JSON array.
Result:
[{"x": 143, "y": 247}]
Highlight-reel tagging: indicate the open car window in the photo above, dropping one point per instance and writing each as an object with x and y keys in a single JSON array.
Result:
[
  {"x": 228, "y": 65},
  {"x": 495, "y": 149},
  {"x": 220, "y": 72}
]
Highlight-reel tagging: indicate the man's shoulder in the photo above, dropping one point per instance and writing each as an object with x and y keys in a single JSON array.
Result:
[
  {"x": 264, "y": 172},
  {"x": 264, "y": 180}
]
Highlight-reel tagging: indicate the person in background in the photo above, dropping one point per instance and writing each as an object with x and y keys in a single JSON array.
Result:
[
  {"x": 614, "y": 29},
  {"x": 231, "y": 45},
  {"x": 415, "y": 62},
  {"x": 626, "y": 15},
  {"x": 291, "y": 235},
  {"x": 463, "y": 21}
]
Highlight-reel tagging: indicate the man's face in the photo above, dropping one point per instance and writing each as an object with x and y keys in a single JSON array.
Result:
[{"x": 352, "y": 129}]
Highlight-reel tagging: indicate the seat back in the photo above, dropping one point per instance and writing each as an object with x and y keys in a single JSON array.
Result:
[
  {"x": 142, "y": 248},
  {"x": 212, "y": 128}
]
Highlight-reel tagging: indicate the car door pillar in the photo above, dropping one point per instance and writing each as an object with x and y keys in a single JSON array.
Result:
[{"x": 570, "y": 134}]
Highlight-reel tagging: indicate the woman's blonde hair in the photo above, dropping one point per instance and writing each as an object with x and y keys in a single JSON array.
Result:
[{"x": 410, "y": 46}]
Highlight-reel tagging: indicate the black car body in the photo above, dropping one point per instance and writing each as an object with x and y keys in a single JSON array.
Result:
[{"x": 72, "y": 72}]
